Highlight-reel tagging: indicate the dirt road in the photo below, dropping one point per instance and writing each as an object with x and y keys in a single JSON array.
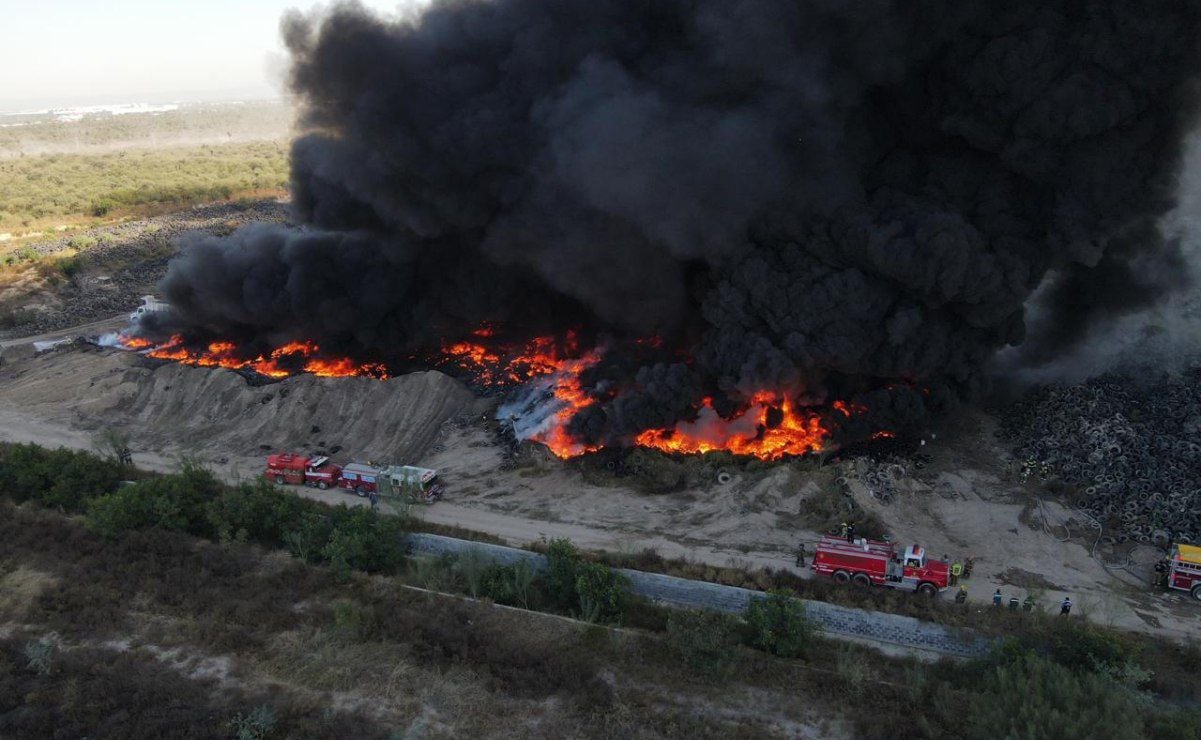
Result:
[{"x": 95, "y": 327}]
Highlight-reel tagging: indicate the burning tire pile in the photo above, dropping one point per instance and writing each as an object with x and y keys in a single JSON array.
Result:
[{"x": 1129, "y": 446}]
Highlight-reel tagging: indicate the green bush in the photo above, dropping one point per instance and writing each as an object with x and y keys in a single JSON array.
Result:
[
  {"x": 306, "y": 536},
  {"x": 704, "y": 640},
  {"x": 69, "y": 266},
  {"x": 563, "y": 563},
  {"x": 1080, "y": 646},
  {"x": 496, "y": 583},
  {"x": 590, "y": 590},
  {"x": 62, "y": 478},
  {"x": 779, "y": 625},
  {"x": 194, "y": 501},
  {"x": 601, "y": 593},
  {"x": 1036, "y": 698},
  {"x": 363, "y": 539},
  {"x": 174, "y": 502},
  {"x": 471, "y": 565},
  {"x": 257, "y": 512}
]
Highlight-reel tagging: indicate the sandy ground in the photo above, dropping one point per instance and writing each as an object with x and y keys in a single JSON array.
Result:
[{"x": 964, "y": 502}]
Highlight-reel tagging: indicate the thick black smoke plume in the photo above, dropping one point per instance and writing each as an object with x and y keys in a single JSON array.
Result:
[{"x": 822, "y": 198}]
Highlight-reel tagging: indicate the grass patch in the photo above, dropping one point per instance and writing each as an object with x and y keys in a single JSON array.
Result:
[{"x": 52, "y": 188}]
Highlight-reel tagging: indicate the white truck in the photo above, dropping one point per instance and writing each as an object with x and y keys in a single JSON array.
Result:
[
  {"x": 150, "y": 305},
  {"x": 421, "y": 484}
]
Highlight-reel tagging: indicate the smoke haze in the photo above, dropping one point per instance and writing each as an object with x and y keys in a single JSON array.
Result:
[{"x": 824, "y": 199}]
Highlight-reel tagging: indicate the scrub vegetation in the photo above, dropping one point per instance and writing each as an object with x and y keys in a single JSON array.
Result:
[{"x": 143, "y": 604}]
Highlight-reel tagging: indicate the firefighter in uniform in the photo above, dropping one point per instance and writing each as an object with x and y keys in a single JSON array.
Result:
[
  {"x": 800, "y": 555},
  {"x": 956, "y": 571},
  {"x": 961, "y": 595},
  {"x": 996, "y": 598},
  {"x": 1028, "y": 604},
  {"x": 851, "y": 532},
  {"x": 1065, "y": 607},
  {"x": 1014, "y": 603}
]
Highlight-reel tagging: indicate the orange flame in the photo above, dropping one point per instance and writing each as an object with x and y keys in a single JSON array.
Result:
[
  {"x": 507, "y": 365},
  {"x": 569, "y": 392},
  {"x": 799, "y": 432},
  {"x": 273, "y": 365},
  {"x": 135, "y": 343},
  {"x": 770, "y": 427}
]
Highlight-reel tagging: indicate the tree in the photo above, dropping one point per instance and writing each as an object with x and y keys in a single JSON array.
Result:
[
  {"x": 601, "y": 592},
  {"x": 779, "y": 625},
  {"x": 562, "y": 564}
]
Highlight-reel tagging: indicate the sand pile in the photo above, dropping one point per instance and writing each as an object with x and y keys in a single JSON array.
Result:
[{"x": 216, "y": 412}]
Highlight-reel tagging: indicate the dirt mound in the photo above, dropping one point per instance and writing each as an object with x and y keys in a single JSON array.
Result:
[{"x": 212, "y": 412}]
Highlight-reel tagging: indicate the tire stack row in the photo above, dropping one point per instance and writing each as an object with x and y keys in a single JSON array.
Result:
[
  {"x": 880, "y": 478},
  {"x": 1130, "y": 446}
]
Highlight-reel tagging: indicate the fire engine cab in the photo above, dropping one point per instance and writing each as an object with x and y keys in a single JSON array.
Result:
[
  {"x": 867, "y": 562},
  {"x": 296, "y": 469},
  {"x": 1182, "y": 569}
]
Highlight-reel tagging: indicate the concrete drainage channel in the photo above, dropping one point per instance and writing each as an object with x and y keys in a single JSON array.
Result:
[{"x": 836, "y": 621}]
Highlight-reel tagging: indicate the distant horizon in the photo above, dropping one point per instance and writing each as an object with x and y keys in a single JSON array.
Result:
[
  {"x": 59, "y": 102},
  {"x": 69, "y": 53}
]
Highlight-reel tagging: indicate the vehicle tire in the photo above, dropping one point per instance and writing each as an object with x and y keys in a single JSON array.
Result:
[
  {"x": 927, "y": 589},
  {"x": 279, "y": 480},
  {"x": 861, "y": 579},
  {"x": 1196, "y": 592},
  {"x": 322, "y": 485},
  {"x": 841, "y": 576}
]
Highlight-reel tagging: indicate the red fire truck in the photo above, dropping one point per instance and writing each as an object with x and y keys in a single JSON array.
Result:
[
  {"x": 1181, "y": 570},
  {"x": 296, "y": 469},
  {"x": 360, "y": 478},
  {"x": 867, "y": 562}
]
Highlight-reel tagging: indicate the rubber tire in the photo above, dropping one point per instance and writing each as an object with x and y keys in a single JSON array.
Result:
[
  {"x": 1196, "y": 592},
  {"x": 322, "y": 485},
  {"x": 862, "y": 580},
  {"x": 927, "y": 589},
  {"x": 841, "y": 576},
  {"x": 279, "y": 480}
]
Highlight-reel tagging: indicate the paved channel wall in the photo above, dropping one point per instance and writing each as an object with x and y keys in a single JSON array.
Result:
[{"x": 833, "y": 619}]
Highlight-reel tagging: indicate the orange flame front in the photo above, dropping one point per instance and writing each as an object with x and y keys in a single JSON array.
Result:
[
  {"x": 499, "y": 365},
  {"x": 275, "y": 364},
  {"x": 570, "y": 394},
  {"x": 799, "y": 431},
  {"x": 770, "y": 427}
]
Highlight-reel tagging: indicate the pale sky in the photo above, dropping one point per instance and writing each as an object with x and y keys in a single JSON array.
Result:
[{"x": 82, "y": 52}]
